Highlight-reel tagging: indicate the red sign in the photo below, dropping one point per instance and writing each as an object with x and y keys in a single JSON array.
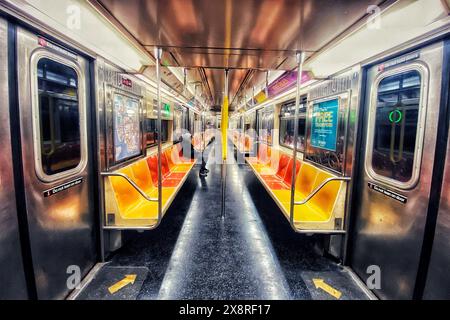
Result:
[{"x": 127, "y": 82}]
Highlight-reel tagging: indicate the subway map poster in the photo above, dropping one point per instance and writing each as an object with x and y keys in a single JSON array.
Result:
[{"x": 127, "y": 136}]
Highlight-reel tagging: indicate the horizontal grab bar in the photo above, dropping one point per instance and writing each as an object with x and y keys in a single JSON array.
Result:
[
  {"x": 134, "y": 185},
  {"x": 316, "y": 191}
]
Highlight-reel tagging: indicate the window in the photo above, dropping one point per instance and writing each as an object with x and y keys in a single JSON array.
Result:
[
  {"x": 396, "y": 126},
  {"x": 180, "y": 123},
  {"x": 250, "y": 122},
  {"x": 59, "y": 117},
  {"x": 151, "y": 131},
  {"x": 287, "y": 123},
  {"x": 265, "y": 125}
]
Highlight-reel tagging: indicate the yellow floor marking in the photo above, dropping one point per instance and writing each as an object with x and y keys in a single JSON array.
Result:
[
  {"x": 320, "y": 284},
  {"x": 129, "y": 279}
]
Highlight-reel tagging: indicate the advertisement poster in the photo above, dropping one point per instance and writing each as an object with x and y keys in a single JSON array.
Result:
[
  {"x": 127, "y": 137},
  {"x": 324, "y": 125}
]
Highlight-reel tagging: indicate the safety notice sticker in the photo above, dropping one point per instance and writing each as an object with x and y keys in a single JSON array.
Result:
[{"x": 388, "y": 193}]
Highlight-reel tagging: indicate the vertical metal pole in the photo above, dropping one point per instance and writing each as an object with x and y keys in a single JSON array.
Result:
[
  {"x": 158, "y": 55},
  {"x": 300, "y": 60},
  {"x": 224, "y": 144}
]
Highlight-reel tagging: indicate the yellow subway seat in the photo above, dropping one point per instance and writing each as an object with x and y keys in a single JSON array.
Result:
[
  {"x": 166, "y": 194},
  {"x": 308, "y": 213},
  {"x": 143, "y": 210},
  {"x": 306, "y": 179},
  {"x": 320, "y": 207},
  {"x": 142, "y": 176},
  {"x": 284, "y": 196},
  {"x": 252, "y": 160},
  {"x": 182, "y": 168},
  {"x": 263, "y": 168},
  {"x": 325, "y": 200},
  {"x": 126, "y": 196}
]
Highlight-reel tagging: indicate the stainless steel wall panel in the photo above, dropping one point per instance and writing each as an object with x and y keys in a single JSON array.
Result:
[{"x": 12, "y": 275}]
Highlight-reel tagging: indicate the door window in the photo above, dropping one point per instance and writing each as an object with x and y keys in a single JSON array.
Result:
[
  {"x": 396, "y": 128},
  {"x": 59, "y": 117}
]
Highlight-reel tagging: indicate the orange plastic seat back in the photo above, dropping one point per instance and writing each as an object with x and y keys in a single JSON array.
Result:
[
  {"x": 262, "y": 152},
  {"x": 274, "y": 159},
  {"x": 180, "y": 149},
  {"x": 326, "y": 197},
  {"x": 247, "y": 143},
  {"x": 269, "y": 155},
  {"x": 306, "y": 179},
  {"x": 126, "y": 195},
  {"x": 152, "y": 163},
  {"x": 164, "y": 165},
  {"x": 168, "y": 153},
  {"x": 290, "y": 167},
  {"x": 142, "y": 176},
  {"x": 175, "y": 154},
  {"x": 283, "y": 165}
]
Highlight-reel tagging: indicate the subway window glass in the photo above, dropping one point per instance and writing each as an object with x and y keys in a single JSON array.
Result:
[
  {"x": 59, "y": 117},
  {"x": 396, "y": 124},
  {"x": 180, "y": 123},
  {"x": 287, "y": 123},
  {"x": 266, "y": 125},
  {"x": 151, "y": 131}
]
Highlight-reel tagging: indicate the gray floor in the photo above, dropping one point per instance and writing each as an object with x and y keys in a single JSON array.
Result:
[{"x": 251, "y": 253}]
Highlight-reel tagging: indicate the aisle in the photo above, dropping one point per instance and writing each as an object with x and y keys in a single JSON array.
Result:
[
  {"x": 251, "y": 253},
  {"x": 229, "y": 258}
]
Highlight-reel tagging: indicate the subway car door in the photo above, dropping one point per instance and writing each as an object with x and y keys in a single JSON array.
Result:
[
  {"x": 53, "y": 89},
  {"x": 394, "y": 181}
]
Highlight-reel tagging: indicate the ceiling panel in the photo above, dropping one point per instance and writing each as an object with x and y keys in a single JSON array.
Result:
[{"x": 236, "y": 34}]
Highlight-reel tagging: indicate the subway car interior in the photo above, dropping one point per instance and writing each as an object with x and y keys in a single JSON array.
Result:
[{"x": 224, "y": 150}]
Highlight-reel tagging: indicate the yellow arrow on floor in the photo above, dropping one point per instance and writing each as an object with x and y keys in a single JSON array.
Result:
[
  {"x": 320, "y": 284},
  {"x": 129, "y": 279}
]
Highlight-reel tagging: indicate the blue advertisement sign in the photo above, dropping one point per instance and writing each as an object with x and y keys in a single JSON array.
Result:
[
  {"x": 127, "y": 134},
  {"x": 325, "y": 125}
]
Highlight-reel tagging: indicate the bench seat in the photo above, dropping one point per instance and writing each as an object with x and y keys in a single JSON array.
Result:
[
  {"x": 129, "y": 206},
  {"x": 323, "y": 208}
]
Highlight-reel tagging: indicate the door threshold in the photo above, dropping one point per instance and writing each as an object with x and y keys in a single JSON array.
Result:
[
  {"x": 89, "y": 277},
  {"x": 361, "y": 284}
]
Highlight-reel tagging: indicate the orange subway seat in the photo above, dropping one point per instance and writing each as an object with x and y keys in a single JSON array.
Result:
[
  {"x": 173, "y": 159},
  {"x": 177, "y": 159},
  {"x": 180, "y": 154},
  {"x": 303, "y": 185},
  {"x": 168, "y": 155},
  {"x": 290, "y": 167},
  {"x": 143, "y": 178},
  {"x": 166, "y": 183},
  {"x": 271, "y": 167},
  {"x": 321, "y": 206},
  {"x": 152, "y": 163},
  {"x": 324, "y": 201},
  {"x": 131, "y": 204},
  {"x": 276, "y": 185},
  {"x": 306, "y": 178},
  {"x": 127, "y": 197},
  {"x": 169, "y": 171},
  {"x": 164, "y": 165},
  {"x": 276, "y": 181}
]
